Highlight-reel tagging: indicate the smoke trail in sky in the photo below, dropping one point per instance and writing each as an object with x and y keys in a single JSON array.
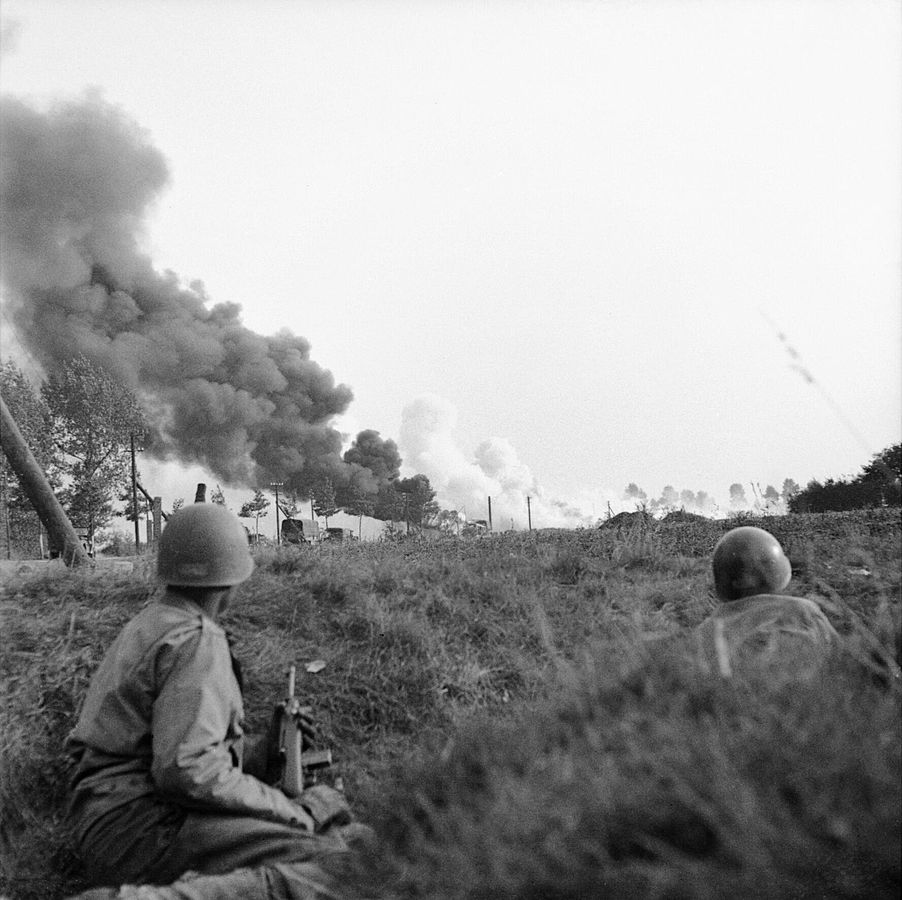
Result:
[
  {"x": 464, "y": 483},
  {"x": 77, "y": 181},
  {"x": 798, "y": 365}
]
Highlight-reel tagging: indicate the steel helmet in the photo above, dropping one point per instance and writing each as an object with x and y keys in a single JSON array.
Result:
[
  {"x": 204, "y": 545},
  {"x": 749, "y": 561}
]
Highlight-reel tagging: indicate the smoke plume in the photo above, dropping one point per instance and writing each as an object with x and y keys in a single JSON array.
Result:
[
  {"x": 464, "y": 483},
  {"x": 77, "y": 181},
  {"x": 370, "y": 451}
]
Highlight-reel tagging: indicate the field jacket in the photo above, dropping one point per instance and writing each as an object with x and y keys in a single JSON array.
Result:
[
  {"x": 162, "y": 723},
  {"x": 764, "y": 627}
]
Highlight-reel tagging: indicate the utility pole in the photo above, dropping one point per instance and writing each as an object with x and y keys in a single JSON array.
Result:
[
  {"x": 135, "y": 496},
  {"x": 490, "y": 515},
  {"x": 157, "y": 517},
  {"x": 276, "y": 485},
  {"x": 406, "y": 496},
  {"x": 529, "y": 512}
]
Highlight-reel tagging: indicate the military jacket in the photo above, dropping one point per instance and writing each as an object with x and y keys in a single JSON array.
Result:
[
  {"x": 163, "y": 720},
  {"x": 762, "y": 627}
]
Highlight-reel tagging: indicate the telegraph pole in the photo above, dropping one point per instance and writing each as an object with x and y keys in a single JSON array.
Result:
[
  {"x": 529, "y": 512},
  {"x": 490, "y": 515},
  {"x": 406, "y": 496},
  {"x": 135, "y": 496},
  {"x": 276, "y": 485}
]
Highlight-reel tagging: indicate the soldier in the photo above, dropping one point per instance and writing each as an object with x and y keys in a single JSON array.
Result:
[
  {"x": 165, "y": 780},
  {"x": 755, "y": 619}
]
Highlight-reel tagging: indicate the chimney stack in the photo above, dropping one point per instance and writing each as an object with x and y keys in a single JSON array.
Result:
[{"x": 200, "y": 495}]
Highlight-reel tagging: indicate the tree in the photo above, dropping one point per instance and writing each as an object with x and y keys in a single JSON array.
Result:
[
  {"x": 737, "y": 496},
  {"x": 389, "y": 504},
  {"x": 705, "y": 503},
  {"x": 94, "y": 418},
  {"x": 218, "y": 497},
  {"x": 883, "y": 476},
  {"x": 450, "y": 520},
  {"x": 877, "y": 485},
  {"x": 790, "y": 489},
  {"x": 688, "y": 499},
  {"x": 771, "y": 498},
  {"x": 128, "y": 511},
  {"x": 324, "y": 499},
  {"x": 177, "y": 504},
  {"x": 669, "y": 498},
  {"x": 634, "y": 492},
  {"x": 360, "y": 503},
  {"x": 255, "y": 509},
  {"x": 419, "y": 506},
  {"x": 289, "y": 504}
]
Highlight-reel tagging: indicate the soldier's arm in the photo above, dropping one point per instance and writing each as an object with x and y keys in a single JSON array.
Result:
[{"x": 196, "y": 735}]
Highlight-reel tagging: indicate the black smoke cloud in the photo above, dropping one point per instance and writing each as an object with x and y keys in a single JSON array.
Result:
[
  {"x": 77, "y": 180},
  {"x": 380, "y": 456}
]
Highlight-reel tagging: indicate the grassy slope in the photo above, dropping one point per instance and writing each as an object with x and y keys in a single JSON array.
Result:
[{"x": 558, "y": 751}]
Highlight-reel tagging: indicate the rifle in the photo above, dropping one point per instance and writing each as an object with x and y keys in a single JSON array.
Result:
[{"x": 299, "y": 769}]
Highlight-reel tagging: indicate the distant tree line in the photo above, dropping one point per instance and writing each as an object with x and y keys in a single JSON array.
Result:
[
  {"x": 766, "y": 501},
  {"x": 879, "y": 484},
  {"x": 410, "y": 500}
]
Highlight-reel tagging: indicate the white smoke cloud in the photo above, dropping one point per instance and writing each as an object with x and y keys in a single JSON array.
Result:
[{"x": 465, "y": 482}]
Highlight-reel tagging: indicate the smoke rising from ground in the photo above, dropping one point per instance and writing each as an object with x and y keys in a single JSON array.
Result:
[
  {"x": 464, "y": 483},
  {"x": 77, "y": 181}
]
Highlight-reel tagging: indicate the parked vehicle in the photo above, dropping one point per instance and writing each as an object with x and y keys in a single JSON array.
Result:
[
  {"x": 339, "y": 534},
  {"x": 476, "y": 528},
  {"x": 299, "y": 531}
]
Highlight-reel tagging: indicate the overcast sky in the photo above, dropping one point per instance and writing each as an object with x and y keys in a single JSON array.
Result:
[{"x": 571, "y": 227}]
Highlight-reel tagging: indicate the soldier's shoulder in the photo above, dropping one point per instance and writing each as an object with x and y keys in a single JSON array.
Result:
[
  {"x": 774, "y": 613},
  {"x": 164, "y": 621}
]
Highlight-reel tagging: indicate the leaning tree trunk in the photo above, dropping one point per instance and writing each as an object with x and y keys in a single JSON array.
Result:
[{"x": 38, "y": 490}]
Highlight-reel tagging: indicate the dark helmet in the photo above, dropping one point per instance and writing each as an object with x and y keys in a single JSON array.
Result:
[
  {"x": 204, "y": 545},
  {"x": 749, "y": 561}
]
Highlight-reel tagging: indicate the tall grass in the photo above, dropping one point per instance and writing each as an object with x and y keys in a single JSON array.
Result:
[
  {"x": 508, "y": 716},
  {"x": 650, "y": 778}
]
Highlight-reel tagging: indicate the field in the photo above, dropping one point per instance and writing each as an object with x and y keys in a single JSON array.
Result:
[{"x": 524, "y": 715}]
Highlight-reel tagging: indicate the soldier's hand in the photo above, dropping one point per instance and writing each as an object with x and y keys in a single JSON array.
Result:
[{"x": 326, "y": 806}]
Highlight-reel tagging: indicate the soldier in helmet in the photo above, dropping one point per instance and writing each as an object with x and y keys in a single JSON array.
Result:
[
  {"x": 755, "y": 618},
  {"x": 163, "y": 781}
]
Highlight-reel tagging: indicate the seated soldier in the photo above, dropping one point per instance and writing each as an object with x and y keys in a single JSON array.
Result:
[
  {"x": 755, "y": 619},
  {"x": 163, "y": 783}
]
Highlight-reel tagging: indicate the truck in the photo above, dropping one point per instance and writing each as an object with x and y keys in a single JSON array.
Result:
[
  {"x": 299, "y": 531},
  {"x": 339, "y": 535},
  {"x": 476, "y": 528}
]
